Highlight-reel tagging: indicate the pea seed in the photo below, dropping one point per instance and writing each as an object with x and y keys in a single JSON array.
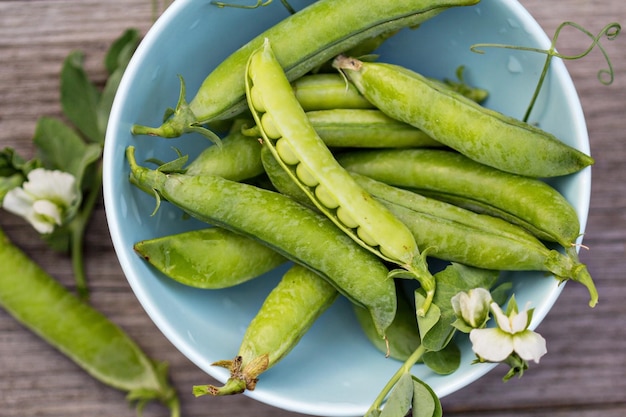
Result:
[
  {"x": 346, "y": 218},
  {"x": 366, "y": 237},
  {"x": 325, "y": 196},
  {"x": 286, "y": 153},
  {"x": 269, "y": 126},
  {"x": 306, "y": 176},
  {"x": 257, "y": 100}
]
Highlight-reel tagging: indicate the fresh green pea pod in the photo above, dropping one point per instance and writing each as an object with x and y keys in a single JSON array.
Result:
[
  {"x": 238, "y": 159},
  {"x": 454, "y": 178},
  {"x": 481, "y": 134},
  {"x": 403, "y": 334},
  {"x": 296, "y": 232},
  {"x": 362, "y": 128},
  {"x": 78, "y": 331},
  {"x": 328, "y": 92},
  {"x": 209, "y": 258},
  {"x": 347, "y": 128},
  {"x": 303, "y": 42},
  {"x": 293, "y": 141},
  {"x": 478, "y": 240},
  {"x": 286, "y": 315}
]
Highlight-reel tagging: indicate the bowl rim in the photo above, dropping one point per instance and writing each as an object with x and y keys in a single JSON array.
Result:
[{"x": 126, "y": 257}]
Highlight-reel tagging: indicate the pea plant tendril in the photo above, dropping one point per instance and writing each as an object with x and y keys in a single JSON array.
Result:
[
  {"x": 259, "y": 3},
  {"x": 605, "y": 75}
]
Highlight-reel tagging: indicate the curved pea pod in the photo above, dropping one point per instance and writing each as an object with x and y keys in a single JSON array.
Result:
[
  {"x": 80, "y": 332},
  {"x": 237, "y": 159},
  {"x": 365, "y": 128},
  {"x": 294, "y": 143},
  {"x": 328, "y": 92},
  {"x": 481, "y": 134},
  {"x": 452, "y": 177},
  {"x": 293, "y": 230},
  {"x": 286, "y": 315},
  {"x": 403, "y": 334},
  {"x": 209, "y": 258},
  {"x": 459, "y": 235},
  {"x": 362, "y": 128},
  {"x": 303, "y": 41}
]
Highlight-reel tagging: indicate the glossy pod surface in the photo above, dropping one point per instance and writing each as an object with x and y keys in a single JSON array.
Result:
[
  {"x": 291, "y": 229},
  {"x": 482, "y": 134}
]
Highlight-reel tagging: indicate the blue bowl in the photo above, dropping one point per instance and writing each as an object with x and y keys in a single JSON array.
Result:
[{"x": 334, "y": 371}]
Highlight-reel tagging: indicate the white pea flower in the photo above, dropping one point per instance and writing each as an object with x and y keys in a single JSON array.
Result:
[
  {"x": 43, "y": 199},
  {"x": 471, "y": 309},
  {"x": 510, "y": 337}
]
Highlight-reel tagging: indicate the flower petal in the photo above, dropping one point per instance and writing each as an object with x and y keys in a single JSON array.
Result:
[
  {"x": 493, "y": 345},
  {"x": 17, "y": 201},
  {"x": 519, "y": 321},
  {"x": 57, "y": 186},
  {"x": 48, "y": 211},
  {"x": 501, "y": 319},
  {"x": 529, "y": 345}
]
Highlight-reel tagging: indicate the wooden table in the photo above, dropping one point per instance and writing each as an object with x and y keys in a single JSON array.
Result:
[{"x": 583, "y": 375}]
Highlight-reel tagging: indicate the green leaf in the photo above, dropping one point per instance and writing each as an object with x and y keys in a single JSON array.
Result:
[
  {"x": 455, "y": 278},
  {"x": 432, "y": 316},
  {"x": 116, "y": 61},
  {"x": 8, "y": 183},
  {"x": 80, "y": 97},
  {"x": 117, "y": 55},
  {"x": 425, "y": 401},
  {"x": 11, "y": 163},
  {"x": 444, "y": 361},
  {"x": 399, "y": 401},
  {"x": 60, "y": 147}
]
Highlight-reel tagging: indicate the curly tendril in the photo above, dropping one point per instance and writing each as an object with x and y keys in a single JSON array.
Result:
[
  {"x": 259, "y": 3},
  {"x": 605, "y": 76}
]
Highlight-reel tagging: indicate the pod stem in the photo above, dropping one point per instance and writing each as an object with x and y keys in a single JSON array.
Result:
[
  {"x": 178, "y": 121},
  {"x": 242, "y": 377},
  {"x": 582, "y": 275},
  {"x": 405, "y": 368},
  {"x": 568, "y": 266},
  {"x": 418, "y": 269}
]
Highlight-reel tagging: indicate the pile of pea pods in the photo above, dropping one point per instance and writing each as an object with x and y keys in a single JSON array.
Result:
[{"x": 349, "y": 177}]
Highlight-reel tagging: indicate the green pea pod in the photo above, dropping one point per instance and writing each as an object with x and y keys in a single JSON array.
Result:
[
  {"x": 459, "y": 235},
  {"x": 293, "y": 141},
  {"x": 346, "y": 128},
  {"x": 481, "y": 134},
  {"x": 83, "y": 334},
  {"x": 286, "y": 315},
  {"x": 303, "y": 41},
  {"x": 209, "y": 258},
  {"x": 454, "y": 178},
  {"x": 328, "y": 92},
  {"x": 288, "y": 227},
  {"x": 362, "y": 128},
  {"x": 237, "y": 159},
  {"x": 403, "y": 335}
]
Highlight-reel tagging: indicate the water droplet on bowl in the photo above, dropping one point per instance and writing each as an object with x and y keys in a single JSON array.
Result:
[
  {"x": 514, "y": 65},
  {"x": 155, "y": 73},
  {"x": 513, "y": 23}
]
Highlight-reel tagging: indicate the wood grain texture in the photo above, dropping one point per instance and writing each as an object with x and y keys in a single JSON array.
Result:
[{"x": 583, "y": 375}]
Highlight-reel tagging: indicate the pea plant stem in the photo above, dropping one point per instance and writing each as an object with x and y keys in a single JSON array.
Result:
[
  {"x": 405, "y": 368},
  {"x": 78, "y": 226}
]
